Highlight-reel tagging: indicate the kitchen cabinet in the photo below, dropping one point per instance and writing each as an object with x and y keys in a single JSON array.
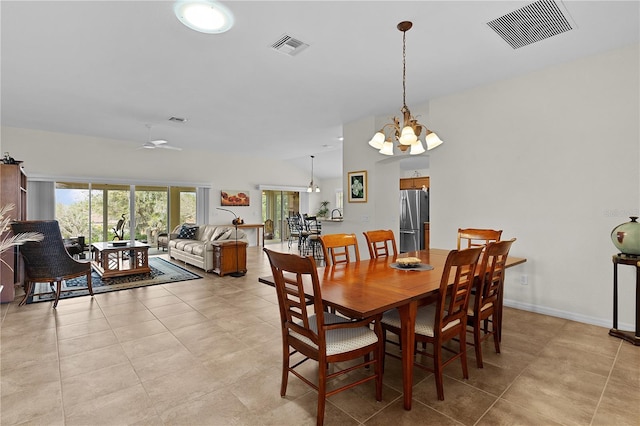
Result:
[
  {"x": 224, "y": 257},
  {"x": 414, "y": 182}
]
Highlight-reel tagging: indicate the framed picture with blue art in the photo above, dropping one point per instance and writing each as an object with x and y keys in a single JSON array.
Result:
[{"x": 357, "y": 186}]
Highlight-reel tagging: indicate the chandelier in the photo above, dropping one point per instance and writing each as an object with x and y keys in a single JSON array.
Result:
[
  {"x": 312, "y": 187},
  {"x": 408, "y": 135}
]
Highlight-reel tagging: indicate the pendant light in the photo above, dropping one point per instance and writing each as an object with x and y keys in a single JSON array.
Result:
[
  {"x": 312, "y": 187},
  {"x": 408, "y": 135}
]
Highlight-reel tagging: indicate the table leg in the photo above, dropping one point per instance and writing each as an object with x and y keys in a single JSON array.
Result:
[
  {"x": 637, "y": 302},
  {"x": 615, "y": 295},
  {"x": 408, "y": 339}
]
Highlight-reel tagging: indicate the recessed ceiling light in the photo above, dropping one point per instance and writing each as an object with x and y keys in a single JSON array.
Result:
[{"x": 204, "y": 16}]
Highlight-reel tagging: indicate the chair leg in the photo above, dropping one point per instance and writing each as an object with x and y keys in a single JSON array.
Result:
[
  {"x": 437, "y": 368},
  {"x": 463, "y": 351},
  {"x": 27, "y": 292},
  {"x": 89, "y": 284},
  {"x": 285, "y": 370},
  {"x": 477, "y": 342},
  {"x": 384, "y": 348},
  {"x": 58, "y": 291},
  {"x": 379, "y": 357},
  {"x": 496, "y": 332},
  {"x": 322, "y": 391}
]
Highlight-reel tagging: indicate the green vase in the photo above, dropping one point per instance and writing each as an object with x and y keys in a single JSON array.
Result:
[{"x": 626, "y": 237}]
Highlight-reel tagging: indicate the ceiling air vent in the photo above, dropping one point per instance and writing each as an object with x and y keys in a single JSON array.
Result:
[
  {"x": 289, "y": 45},
  {"x": 531, "y": 23}
]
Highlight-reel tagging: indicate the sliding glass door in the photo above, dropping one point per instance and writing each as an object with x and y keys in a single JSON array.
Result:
[
  {"x": 151, "y": 213},
  {"x": 104, "y": 212},
  {"x": 277, "y": 206}
]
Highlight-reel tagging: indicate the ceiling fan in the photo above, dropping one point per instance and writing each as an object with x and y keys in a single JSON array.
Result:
[{"x": 158, "y": 143}]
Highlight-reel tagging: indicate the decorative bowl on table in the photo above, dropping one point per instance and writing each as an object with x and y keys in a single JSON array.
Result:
[{"x": 408, "y": 262}]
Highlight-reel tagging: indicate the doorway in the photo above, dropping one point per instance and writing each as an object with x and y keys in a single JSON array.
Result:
[{"x": 277, "y": 206}]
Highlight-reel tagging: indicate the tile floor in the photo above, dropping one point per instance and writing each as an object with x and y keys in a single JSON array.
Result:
[{"x": 207, "y": 352}]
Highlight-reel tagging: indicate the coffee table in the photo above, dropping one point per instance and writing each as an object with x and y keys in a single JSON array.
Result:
[{"x": 120, "y": 258}]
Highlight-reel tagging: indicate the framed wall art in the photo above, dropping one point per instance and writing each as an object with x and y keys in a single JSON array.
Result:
[
  {"x": 357, "y": 184},
  {"x": 234, "y": 198}
]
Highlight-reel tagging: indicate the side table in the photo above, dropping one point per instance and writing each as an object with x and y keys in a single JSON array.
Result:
[
  {"x": 629, "y": 336},
  {"x": 225, "y": 260}
]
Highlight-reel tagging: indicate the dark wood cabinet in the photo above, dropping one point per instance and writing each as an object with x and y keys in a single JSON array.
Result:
[
  {"x": 414, "y": 182},
  {"x": 224, "y": 257},
  {"x": 13, "y": 190}
]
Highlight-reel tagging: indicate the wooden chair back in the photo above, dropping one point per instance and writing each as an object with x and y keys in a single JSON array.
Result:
[
  {"x": 289, "y": 273},
  {"x": 456, "y": 283},
  {"x": 474, "y": 237},
  {"x": 487, "y": 300},
  {"x": 492, "y": 270},
  {"x": 339, "y": 248},
  {"x": 381, "y": 243}
]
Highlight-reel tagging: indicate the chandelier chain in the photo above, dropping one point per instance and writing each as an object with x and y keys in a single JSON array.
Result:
[{"x": 404, "y": 69}]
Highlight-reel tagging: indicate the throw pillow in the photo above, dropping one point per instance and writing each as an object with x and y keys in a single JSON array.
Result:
[{"x": 188, "y": 232}]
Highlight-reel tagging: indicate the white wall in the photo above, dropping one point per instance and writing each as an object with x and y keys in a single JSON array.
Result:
[
  {"x": 552, "y": 158},
  {"x": 68, "y": 156}
]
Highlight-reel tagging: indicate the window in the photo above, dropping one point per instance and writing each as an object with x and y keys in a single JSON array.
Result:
[
  {"x": 93, "y": 210},
  {"x": 339, "y": 198}
]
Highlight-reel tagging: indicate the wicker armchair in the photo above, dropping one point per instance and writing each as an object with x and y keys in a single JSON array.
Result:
[{"x": 48, "y": 260}]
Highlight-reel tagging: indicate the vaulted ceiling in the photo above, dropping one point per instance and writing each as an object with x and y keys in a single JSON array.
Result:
[{"x": 108, "y": 68}]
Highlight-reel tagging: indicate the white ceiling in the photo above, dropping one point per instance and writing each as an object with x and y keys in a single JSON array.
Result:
[{"x": 107, "y": 68}]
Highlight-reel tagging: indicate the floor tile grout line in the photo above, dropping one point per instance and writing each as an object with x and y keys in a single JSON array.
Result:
[
  {"x": 606, "y": 383},
  {"x": 62, "y": 407}
]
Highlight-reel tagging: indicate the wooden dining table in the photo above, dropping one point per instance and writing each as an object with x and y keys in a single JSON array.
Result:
[{"x": 369, "y": 287}]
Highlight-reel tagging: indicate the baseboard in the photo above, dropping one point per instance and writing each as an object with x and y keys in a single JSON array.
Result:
[{"x": 608, "y": 323}]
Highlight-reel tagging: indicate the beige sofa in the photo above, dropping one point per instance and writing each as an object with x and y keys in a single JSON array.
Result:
[{"x": 199, "y": 251}]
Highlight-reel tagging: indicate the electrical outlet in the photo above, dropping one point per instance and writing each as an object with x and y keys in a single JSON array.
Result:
[
  {"x": 524, "y": 279},
  {"x": 365, "y": 218}
]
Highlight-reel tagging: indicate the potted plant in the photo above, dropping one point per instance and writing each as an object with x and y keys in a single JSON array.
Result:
[
  {"x": 7, "y": 241},
  {"x": 323, "y": 210}
]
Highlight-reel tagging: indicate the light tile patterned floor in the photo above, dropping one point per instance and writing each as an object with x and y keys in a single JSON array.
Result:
[{"x": 207, "y": 352}]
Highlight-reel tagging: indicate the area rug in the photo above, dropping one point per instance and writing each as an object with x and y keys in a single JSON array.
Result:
[{"x": 162, "y": 272}]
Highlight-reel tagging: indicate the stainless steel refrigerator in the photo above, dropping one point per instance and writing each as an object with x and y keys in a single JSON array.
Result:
[{"x": 414, "y": 212}]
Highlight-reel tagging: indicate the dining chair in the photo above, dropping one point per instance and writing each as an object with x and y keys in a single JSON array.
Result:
[
  {"x": 381, "y": 243},
  {"x": 294, "y": 230},
  {"x": 485, "y": 305},
  {"x": 48, "y": 261},
  {"x": 313, "y": 229},
  {"x": 444, "y": 320},
  {"x": 476, "y": 237},
  {"x": 314, "y": 334},
  {"x": 339, "y": 248}
]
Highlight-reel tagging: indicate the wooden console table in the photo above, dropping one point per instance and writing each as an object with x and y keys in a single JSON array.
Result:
[
  {"x": 629, "y": 336},
  {"x": 224, "y": 257},
  {"x": 258, "y": 227}
]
